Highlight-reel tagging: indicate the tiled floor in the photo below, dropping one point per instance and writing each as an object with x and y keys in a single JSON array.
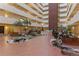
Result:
[{"x": 38, "y": 46}]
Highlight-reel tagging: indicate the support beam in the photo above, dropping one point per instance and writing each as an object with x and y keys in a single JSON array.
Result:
[{"x": 53, "y": 15}]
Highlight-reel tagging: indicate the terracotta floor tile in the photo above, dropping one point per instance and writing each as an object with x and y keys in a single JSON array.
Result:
[{"x": 38, "y": 46}]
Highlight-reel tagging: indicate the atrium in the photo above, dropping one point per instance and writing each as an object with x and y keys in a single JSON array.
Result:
[{"x": 39, "y": 29}]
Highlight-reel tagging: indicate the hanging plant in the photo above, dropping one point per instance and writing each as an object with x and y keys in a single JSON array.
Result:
[
  {"x": 23, "y": 22},
  {"x": 27, "y": 22},
  {"x": 18, "y": 22}
]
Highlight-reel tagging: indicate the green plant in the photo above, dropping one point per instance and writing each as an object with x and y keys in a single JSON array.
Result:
[
  {"x": 27, "y": 22},
  {"x": 23, "y": 22}
]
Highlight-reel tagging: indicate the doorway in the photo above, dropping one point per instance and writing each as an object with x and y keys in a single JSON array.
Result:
[{"x": 1, "y": 29}]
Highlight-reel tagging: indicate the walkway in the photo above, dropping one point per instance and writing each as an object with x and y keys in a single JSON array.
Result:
[{"x": 38, "y": 46}]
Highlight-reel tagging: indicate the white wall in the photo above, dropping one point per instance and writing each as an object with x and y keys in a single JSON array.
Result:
[
  {"x": 74, "y": 19},
  {"x": 7, "y": 20}
]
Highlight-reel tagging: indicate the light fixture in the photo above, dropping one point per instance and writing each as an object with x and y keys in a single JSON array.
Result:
[
  {"x": 78, "y": 36},
  {"x": 73, "y": 27},
  {"x": 21, "y": 20},
  {"x": 6, "y": 15},
  {"x": 6, "y": 27},
  {"x": 42, "y": 24},
  {"x": 26, "y": 27}
]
